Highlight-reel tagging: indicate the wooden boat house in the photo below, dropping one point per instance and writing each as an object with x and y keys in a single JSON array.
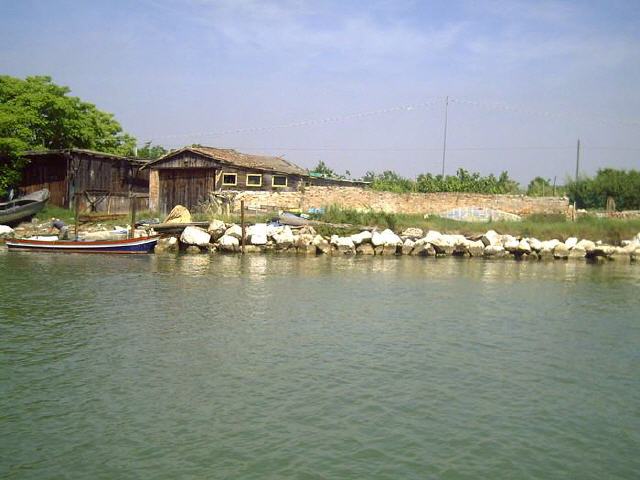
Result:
[
  {"x": 187, "y": 176},
  {"x": 103, "y": 182}
]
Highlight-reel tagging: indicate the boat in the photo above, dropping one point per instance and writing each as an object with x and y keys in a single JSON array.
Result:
[
  {"x": 127, "y": 246},
  {"x": 23, "y": 208}
]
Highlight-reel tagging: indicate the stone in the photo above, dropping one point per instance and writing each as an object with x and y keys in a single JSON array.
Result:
[
  {"x": 234, "y": 231},
  {"x": 476, "y": 249},
  {"x": 378, "y": 249},
  {"x": 216, "y": 229},
  {"x": 635, "y": 256},
  {"x": 308, "y": 249},
  {"x": 535, "y": 244},
  {"x": 321, "y": 244},
  {"x": 407, "y": 246},
  {"x": 5, "y": 231},
  {"x": 345, "y": 246},
  {"x": 586, "y": 245},
  {"x": 178, "y": 214},
  {"x": 491, "y": 238},
  {"x": 412, "y": 233},
  {"x": 577, "y": 253},
  {"x": 362, "y": 237},
  {"x": 377, "y": 239},
  {"x": 192, "y": 249},
  {"x": 365, "y": 249},
  {"x": 602, "y": 251},
  {"x": 510, "y": 243},
  {"x": 443, "y": 244},
  {"x": 523, "y": 247},
  {"x": 390, "y": 238},
  {"x": 167, "y": 244},
  {"x": 389, "y": 250},
  {"x": 253, "y": 248},
  {"x": 423, "y": 249},
  {"x": 195, "y": 236},
  {"x": 273, "y": 230},
  {"x": 561, "y": 251},
  {"x": 494, "y": 251},
  {"x": 570, "y": 242},
  {"x": 307, "y": 230},
  {"x": 284, "y": 239},
  {"x": 302, "y": 240},
  {"x": 227, "y": 243},
  {"x": 432, "y": 236},
  {"x": 257, "y": 234}
]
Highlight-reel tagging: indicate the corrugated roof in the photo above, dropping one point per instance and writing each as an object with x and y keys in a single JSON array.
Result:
[{"x": 232, "y": 157}]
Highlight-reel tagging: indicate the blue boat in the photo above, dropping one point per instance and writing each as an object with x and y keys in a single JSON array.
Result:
[{"x": 128, "y": 246}]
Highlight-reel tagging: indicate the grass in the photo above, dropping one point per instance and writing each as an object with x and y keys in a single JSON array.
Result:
[{"x": 543, "y": 227}]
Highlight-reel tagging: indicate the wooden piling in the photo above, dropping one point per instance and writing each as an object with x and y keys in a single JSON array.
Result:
[
  {"x": 133, "y": 205},
  {"x": 76, "y": 216},
  {"x": 242, "y": 225}
]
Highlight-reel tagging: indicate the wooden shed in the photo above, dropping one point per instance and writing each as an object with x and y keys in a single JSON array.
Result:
[
  {"x": 104, "y": 182},
  {"x": 187, "y": 176}
]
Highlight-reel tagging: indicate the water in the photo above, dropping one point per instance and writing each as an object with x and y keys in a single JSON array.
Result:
[{"x": 285, "y": 367}]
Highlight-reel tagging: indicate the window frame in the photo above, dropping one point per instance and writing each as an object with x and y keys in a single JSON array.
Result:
[
  {"x": 235, "y": 176},
  {"x": 259, "y": 175},
  {"x": 286, "y": 181}
]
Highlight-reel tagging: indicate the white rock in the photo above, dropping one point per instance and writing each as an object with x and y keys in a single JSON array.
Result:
[
  {"x": 535, "y": 244},
  {"x": 285, "y": 238},
  {"x": 216, "y": 229},
  {"x": 377, "y": 239},
  {"x": 494, "y": 250},
  {"x": 432, "y": 236},
  {"x": 475, "y": 249},
  {"x": 362, "y": 237},
  {"x": 570, "y": 242},
  {"x": 561, "y": 251},
  {"x": 273, "y": 230},
  {"x": 586, "y": 245},
  {"x": 511, "y": 243},
  {"x": 413, "y": 232},
  {"x": 390, "y": 238},
  {"x": 407, "y": 246},
  {"x": 5, "y": 230},
  {"x": 234, "y": 231},
  {"x": 550, "y": 244},
  {"x": 257, "y": 229},
  {"x": 195, "y": 236},
  {"x": 344, "y": 242},
  {"x": 257, "y": 239},
  {"x": 524, "y": 247},
  {"x": 228, "y": 243},
  {"x": 491, "y": 238},
  {"x": 321, "y": 244}
]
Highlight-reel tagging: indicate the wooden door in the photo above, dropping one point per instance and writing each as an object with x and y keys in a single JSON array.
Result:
[{"x": 185, "y": 186}]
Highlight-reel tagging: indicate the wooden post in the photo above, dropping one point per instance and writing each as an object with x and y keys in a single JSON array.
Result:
[
  {"x": 242, "y": 225},
  {"x": 76, "y": 216},
  {"x": 133, "y": 207}
]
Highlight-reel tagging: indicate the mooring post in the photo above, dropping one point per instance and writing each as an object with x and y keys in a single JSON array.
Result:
[
  {"x": 76, "y": 215},
  {"x": 132, "y": 208},
  {"x": 242, "y": 225}
]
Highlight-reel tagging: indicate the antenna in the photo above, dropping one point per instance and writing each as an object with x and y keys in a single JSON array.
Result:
[{"x": 444, "y": 144}]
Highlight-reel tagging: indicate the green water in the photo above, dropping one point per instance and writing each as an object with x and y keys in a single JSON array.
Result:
[{"x": 284, "y": 367}]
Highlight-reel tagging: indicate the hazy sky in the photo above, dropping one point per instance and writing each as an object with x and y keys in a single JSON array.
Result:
[{"x": 526, "y": 79}]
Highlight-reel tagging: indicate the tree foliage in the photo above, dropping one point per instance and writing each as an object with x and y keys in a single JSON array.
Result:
[
  {"x": 621, "y": 185},
  {"x": 462, "y": 181},
  {"x": 323, "y": 169},
  {"x": 151, "y": 151},
  {"x": 36, "y": 114}
]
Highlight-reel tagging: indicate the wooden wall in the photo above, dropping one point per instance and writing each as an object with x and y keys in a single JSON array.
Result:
[
  {"x": 187, "y": 179},
  {"x": 49, "y": 173}
]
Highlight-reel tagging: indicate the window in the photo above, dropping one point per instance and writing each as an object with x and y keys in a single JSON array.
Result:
[
  {"x": 279, "y": 181},
  {"x": 230, "y": 179},
  {"x": 254, "y": 180}
]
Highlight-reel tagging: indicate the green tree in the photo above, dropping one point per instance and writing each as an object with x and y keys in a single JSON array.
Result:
[
  {"x": 36, "y": 114},
  {"x": 539, "y": 187},
  {"x": 151, "y": 151},
  {"x": 621, "y": 185},
  {"x": 323, "y": 169}
]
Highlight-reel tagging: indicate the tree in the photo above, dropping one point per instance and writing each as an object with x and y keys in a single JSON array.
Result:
[
  {"x": 623, "y": 186},
  {"x": 323, "y": 169},
  {"x": 539, "y": 187},
  {"x": 151, "y": 151},
  {"x": 36, "y": 114}
]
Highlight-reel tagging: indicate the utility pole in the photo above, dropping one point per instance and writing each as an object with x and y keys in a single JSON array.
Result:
[
  {"x": 578, "y": 160},
  {"x": 444, "y": 145}
]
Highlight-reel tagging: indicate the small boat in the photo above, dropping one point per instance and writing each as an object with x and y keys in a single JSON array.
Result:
[
  {"x": 23, "y": 208},
  {"x": 131, "y": 245}
]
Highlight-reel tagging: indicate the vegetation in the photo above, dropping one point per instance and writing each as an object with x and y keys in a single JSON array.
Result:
[
  {"x": 37, "y": 114},
  {"x": 151, "y": 151},
  {"x": 543, "y": 227},
  {"x": 462, "y": 181},
  {"x": 622, "y": 186}
]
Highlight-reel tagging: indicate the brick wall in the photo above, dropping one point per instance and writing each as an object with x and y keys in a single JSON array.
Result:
[{"x": 421, "y": 203}]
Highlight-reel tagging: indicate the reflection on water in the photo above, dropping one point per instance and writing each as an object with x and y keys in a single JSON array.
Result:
[{"x": 281, "y": 366}]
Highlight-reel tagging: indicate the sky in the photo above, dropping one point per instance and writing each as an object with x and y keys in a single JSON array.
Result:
[{"x": 360, "y": 85}]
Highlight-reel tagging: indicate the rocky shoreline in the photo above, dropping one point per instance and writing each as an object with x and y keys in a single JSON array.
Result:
[{"x": 263, "y": 238}]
